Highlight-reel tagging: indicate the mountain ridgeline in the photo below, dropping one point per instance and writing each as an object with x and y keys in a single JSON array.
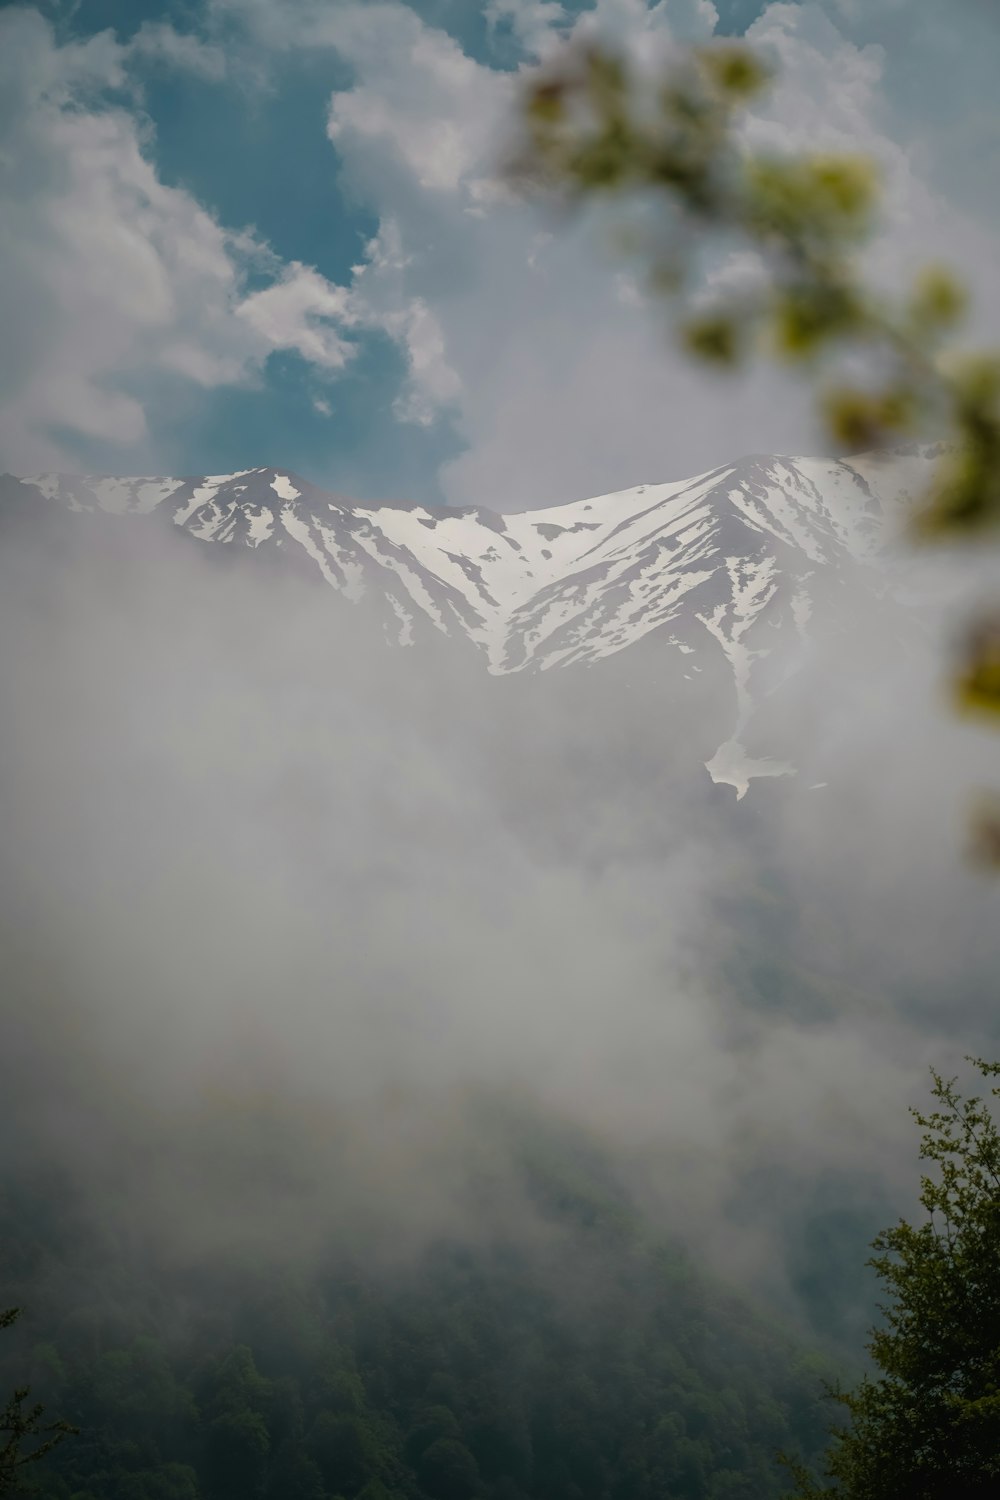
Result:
[{"x": 724, "y": 569}]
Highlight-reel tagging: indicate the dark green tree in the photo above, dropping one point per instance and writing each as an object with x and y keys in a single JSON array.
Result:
[
  {"x": 927, "y": 1426},
  {"x": 169, "y": 1482},
  {"x": 448, "y": 1470},
  {"x": 236, "y": 1450},
  {"x": 25, "y": 1439},
  {"x": 345, "y": 1448}
]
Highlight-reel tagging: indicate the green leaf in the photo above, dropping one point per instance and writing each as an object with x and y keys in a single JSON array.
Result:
[
  {"x": 734, "y": 70},
  {"x": 860, "y": 420},
  {"x": 938, "y": 300},
  {"x": 977, "y": 682},
  {"x": 807, "y": 317},
  {"x": 714, "y": 338}
]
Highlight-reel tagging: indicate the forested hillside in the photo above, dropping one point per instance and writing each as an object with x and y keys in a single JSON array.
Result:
[{"x": 582, "y": 1360}]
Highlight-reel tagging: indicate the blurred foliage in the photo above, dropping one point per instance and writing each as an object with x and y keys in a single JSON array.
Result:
[
  {"x": 928, "y": 1426},
  {"x": 885, "y": 367},
  {"x": 591, "y": 126}
]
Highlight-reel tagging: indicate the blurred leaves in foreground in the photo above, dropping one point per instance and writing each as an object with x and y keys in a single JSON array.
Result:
[
  {"x": 592, "y": 125},
  {"x": 885, "y": 366}
]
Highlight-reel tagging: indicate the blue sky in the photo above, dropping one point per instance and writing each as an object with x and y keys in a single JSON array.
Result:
[{"x": 241, "y": 232}]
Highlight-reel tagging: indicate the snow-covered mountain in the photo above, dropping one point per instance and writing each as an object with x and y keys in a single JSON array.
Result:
[{"x": 722, "y": 566}]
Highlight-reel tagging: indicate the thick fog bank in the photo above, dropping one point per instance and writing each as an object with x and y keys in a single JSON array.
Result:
[{"x": 295, "y": 925}]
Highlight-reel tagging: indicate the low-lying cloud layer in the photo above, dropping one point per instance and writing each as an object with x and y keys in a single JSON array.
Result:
[{"x": 285, "y": 914}]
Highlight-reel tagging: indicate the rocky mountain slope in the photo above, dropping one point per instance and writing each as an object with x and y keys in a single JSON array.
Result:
[{"x": 725, "y": 567}]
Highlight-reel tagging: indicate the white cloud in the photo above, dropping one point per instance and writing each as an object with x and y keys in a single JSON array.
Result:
[
  {"x": 535, "y": 339},
  {"x": 535, "y": 24},
  {"x": 419, "y": 99},
  {"x": 433, "y": 386},
  {"x": 35, "y": 69},
  {"x": 305, "y": 312},
  {"x": 557, "y": 381},
  {"x": 158, "y": 41},
  {"x": 108, "y": 277},
  {"x": 636, "y": 24}
]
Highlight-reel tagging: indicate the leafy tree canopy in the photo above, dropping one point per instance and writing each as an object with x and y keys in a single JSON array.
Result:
[{"x": 927, "y": 1426}]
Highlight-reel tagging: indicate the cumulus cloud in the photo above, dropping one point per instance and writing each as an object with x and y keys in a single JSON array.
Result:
[
  {"x": 301, "y": 310},
  {"x": 533, "y": 342},
  {"x": 433, "y": 386},
  {"x": 565, "y": 384},
  {"x": 635, "y": 24},
  {"x": 555, "y": 382},
  {"x": 536, "y": 24},
  {"x": 430, "y": 106},
  {"x": 159, "y": 42},
  {"x": 110, "y": 278},
  {"x": 556, "y": 373}
]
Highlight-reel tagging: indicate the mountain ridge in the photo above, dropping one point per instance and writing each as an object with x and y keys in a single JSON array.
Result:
[{"x": 726, "y": 563}]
